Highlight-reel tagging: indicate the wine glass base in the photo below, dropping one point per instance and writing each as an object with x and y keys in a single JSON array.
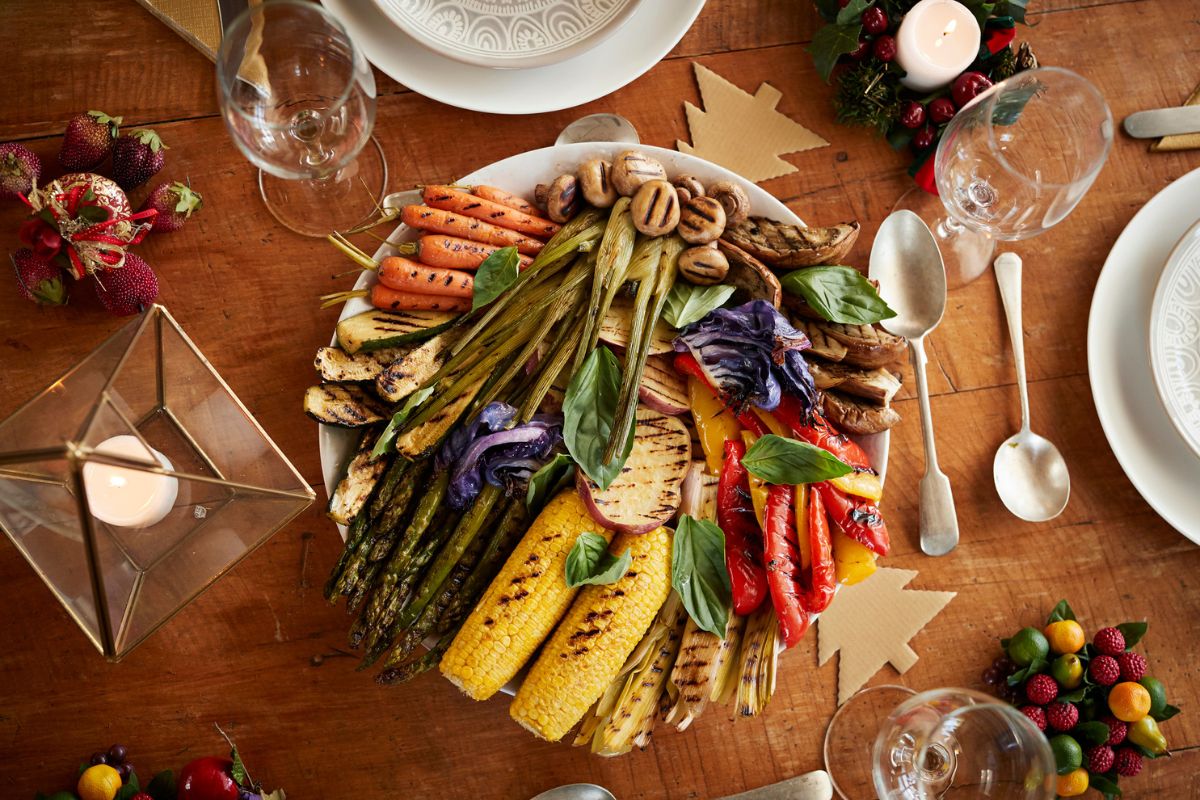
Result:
[
  {"x": 318, "y": 207},
  {"x": 850, "y": 739},
  {"x": 965, "y": 253}
]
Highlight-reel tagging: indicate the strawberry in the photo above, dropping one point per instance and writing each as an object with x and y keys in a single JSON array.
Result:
[
  {"x": 20, "y": 169},
  {"x": 174, "y": 203},
  {"x": 40, "y": 281},
  {"x": 88, "y": 140},
  {"x": 127, "y": 289},
  {"x": 137, "y": 156}
]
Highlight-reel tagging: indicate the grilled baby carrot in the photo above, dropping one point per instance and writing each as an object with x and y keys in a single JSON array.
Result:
[
  {"x": 450, "y": 199},
  {"x": 409, "y": 276},
  {"x": 436, "y": 220},
  {"x": 450, "y": 252},
  {"x": 504, "y": 198},
  {"x": 390, "y": 299}
]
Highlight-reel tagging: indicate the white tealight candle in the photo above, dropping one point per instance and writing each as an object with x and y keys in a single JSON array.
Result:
[
  {"x": 937, "y": 40},
  {"x": 126, "y": 497}
]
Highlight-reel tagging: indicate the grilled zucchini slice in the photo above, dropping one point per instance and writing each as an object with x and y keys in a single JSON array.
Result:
[
  {"x": 345, "y": 405},
  {"x": 375, "y": 330},
  {"x": 405, "y": 375},
  {"x": 336, "y": 365},
  {"x": 355, "y": 487}
]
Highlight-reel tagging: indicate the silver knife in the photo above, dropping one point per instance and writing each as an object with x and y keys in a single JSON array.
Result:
[{"x": 1163, "y": 122}]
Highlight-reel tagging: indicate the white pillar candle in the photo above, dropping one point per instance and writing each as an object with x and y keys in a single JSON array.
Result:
[
  {"x": 126, "y": 497},
  {"x": 937, "y": 40}
]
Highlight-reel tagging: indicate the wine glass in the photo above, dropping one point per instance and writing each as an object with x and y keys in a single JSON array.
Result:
[
  {"x": 892, "y": 743},
  {"x": 1014, "y": 162},
  {"x": 298, "y": 99}
]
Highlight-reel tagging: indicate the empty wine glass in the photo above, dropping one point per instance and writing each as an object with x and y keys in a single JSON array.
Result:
[
  {"x": 298, "y": 98},
  {"x": 892, "y": 743},
  {"x": 1014, "y": 162}
]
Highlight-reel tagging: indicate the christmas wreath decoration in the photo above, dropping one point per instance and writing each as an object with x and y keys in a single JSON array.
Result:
[{"x": 857, "y": 51}]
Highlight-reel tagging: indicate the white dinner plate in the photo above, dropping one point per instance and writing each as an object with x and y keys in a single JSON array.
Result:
[
  {"x": 649, "y": 34},
  {"x": 1157, "y": 460},
  {"x": 508, "y": 34},
  {"x": 1175, "y": 337}
]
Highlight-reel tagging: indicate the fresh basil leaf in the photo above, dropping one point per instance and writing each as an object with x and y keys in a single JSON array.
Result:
[
  {"x": 1104, "y": 784},
  {"x": 839, "y": 294},
  {"x": 589, "y": 562},
  {"x": 162, "y": 786},
  {"x": 788, "y": 462},
  {"x": 547, "y": 481},
  {"x": 852, "y": 11},
  {"x": 384, "y": 443},
  {"x": 589, "y": 410},
  {"x": 497, "y": 272},
  {"x": 688, "y": 303},
  {"x": 831, "y": 43},
  {"x": 1061, "y": 611},
  {"x": 699, "y": 574},
  {"x": 1091, "y": 733},
  {"x": 1133, "y": 632}
]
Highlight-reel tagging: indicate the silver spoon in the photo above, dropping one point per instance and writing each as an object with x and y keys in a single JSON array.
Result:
[
  {"x": 1031, "y": 475},
  {"x": 576, "y": 791},
  {"x": 906, "y": 262},
  {"x": 599, "y": 128}
]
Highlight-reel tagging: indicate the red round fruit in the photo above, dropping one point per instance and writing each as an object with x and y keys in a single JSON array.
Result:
[
  {"x": 1062, "y": 716},
  {"x": 967, "y": 86},
  {"x": 1128, "y": 762},
  {"x": 1104, "y": 670},
  {"x": 941, "y": 110},
  {"x": 1116, "y": 730},
  {"x": 1041, "y": 689},
  {"x": 912, "y": 114},
  {"x": 208, "y": 778},
  {"x": 1036, "y": 714},
  {"x": 885, "y": 48},
  {"x": 860, "y": 52},
  {"x": 1133, "y": 666},
  {"x": 923, "y": 138},
  {"x": 1100, "y": 759},
  {"x": 1109, "y": 641},
  {"x": 874, "y": 20}
]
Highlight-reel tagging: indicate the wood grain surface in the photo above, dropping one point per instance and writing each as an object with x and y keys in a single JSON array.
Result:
[{"x": 262, "y": 654}]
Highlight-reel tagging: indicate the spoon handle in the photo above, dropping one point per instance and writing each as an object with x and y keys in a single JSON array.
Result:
[
  {"x": 938, "y": 519},
  {"x": 1008, "y": 277}
]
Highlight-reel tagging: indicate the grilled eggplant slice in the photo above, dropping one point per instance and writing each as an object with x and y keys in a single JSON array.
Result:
[
  {"x": 345, "y": 405},
  {"x": 405, "y": 375},
  {"x": 852, "y": 415},
  {"x": 355, "y": 488},
  {"x": 336, "y": 365},
  {"x": 865, "y": 346},
  {"x": 618, "y": 322},
  {"x": 876, "y": 385},
  {"x": 754, "y": 281},
  {"x": 376, "y": 330},
  {"x": 823, "y": 345},
  {"x": 783, "y": 245}
]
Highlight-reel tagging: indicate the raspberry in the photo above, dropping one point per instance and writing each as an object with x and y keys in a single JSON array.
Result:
[
  {"x": 1100, "y": 759},
  {"x": 1128, "y": 762},
  {"x": 1041, "y": 689},
  {"x": 1037, "y": 714},
  {"x": 1109, "y": 641},
  {"x": 1104, "y": 670},
  {"x": 1116, "y": 730},
  {"x": 1133, "y": 666},
  {"x": 129, "y": 289},
  {"x": 1062, "y": 716}
]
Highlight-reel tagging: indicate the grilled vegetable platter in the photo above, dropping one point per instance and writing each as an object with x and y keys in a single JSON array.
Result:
[{"x": 584, "y": 429}]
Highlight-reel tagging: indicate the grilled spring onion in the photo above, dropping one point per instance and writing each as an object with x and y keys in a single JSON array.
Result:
[
  {"x": 612, "y": 262},
  {"x": 759, "y": 656}
]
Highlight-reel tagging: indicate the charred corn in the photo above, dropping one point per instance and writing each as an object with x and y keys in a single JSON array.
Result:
[
  {"x": 523, "y": 604},
  {"x": 605, "y": 624}
]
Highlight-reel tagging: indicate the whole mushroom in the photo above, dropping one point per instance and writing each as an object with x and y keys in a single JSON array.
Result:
[
  {"x": 595, "y": 181},
  {"x": 655, "y": 208},
  {"x": 632, "y": 168},
  {"x": 701, "y": 220},
  {"x": 688, "y": 186},
  {"x": 561, "y": 198},
  {"x": 733, "y": 199},
  {"x": 703, "y": 265}
]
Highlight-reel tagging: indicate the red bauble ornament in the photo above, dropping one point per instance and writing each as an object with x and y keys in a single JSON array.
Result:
[
  {"x": 941, "y": 110},
  {"x": 874, "y": 20},
  {"x": 912, "y": 114},
  {"x": 208, "y": 779},
  {"x": 968, "y": 86},
  {"x": 885, "y": 48},
  {"x": 923, "y": 140}
]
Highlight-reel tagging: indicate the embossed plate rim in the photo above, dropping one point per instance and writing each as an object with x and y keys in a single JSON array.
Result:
[{"x": 1185, "y": 257}]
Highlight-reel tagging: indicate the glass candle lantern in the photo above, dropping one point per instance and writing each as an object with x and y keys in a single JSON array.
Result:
[{"x": 137, "y": 479}]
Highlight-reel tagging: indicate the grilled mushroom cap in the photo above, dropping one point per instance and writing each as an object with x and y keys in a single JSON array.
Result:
[
  {"x": 562, "y": 198},
  {"x": 633, "y": 168},
  {"x": 595, "y": 179},
  {"x": 733, "y": 198},
  {"x": 691, "y": 184},
  {"x": 701, "y": 220},
  {"x": 704, "y": 265},
  {"x": 655, "y": 208}
]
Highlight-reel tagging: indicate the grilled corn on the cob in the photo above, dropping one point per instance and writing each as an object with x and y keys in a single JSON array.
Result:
[
  {"x": 760, "y": 654},
  {"x": 523, "y": 604},
  {"x": 588, "y": 648}
]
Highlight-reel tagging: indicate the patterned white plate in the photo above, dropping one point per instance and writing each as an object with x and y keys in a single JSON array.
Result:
[
  {"x": 508, "y": 34},
  {"x": 1175, "y": 337}
]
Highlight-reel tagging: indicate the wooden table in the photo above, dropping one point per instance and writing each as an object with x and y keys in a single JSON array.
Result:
[{"x": 259, "y": 653}]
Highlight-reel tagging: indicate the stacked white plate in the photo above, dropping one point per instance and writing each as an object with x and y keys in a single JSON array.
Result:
[
  {"x": 1144, "y": 352},
  {"x": 515, "y": 56}
]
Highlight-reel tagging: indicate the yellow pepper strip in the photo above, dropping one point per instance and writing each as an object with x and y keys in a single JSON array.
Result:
[
  {"x": 854, "y": 562},
  {"x": 714, "y": 424}
]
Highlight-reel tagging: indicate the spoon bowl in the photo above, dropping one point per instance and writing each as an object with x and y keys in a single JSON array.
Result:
[
  {"x": 576, "y": 791},
  {"x": 1031, "y": 477},
  {"x": 599, "y": 128}
]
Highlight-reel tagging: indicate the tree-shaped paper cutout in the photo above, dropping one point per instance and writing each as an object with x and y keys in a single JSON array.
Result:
[
  {"x": 743, "y": 132},
  {"x": 870, "y": 624}
]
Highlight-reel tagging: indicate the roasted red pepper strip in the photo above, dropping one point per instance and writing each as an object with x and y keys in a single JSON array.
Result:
[
  {"x": 783, "y": 564},
  {"x": 688, "y": 365},
  {"x": 743, "y": 539},
  {"x": 857, "y": 516},
  {"x": 816, "y": 430},
  {"x": 823, "y": 578}
]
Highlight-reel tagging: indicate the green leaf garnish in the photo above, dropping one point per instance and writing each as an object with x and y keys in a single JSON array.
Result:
[
  {"x": 852, "y": 11},
  {"x": 162, "y": 786},
  {"x": 1091, "y": 733},
  {"x": 384, "y": 443},
  {"x": 589, "y": 411},
  {"x": 789, "y": 462},
  {"x": 497, "y": 272},
  {"x": 687, "y": 303},
  {"x": 589, "y": 562},
  {"x": 1061, "y": 611},
  {"x": 831, "y": 43},
  {"x": 547, "y": 481},
  {"x": 1133, "y": 632},
  {"x": 839, "y": 294},
  {"x": 699, "y": 574}
]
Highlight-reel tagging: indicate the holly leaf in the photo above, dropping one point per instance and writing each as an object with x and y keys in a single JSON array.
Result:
[
  {"x": 238, "y": 770},
  {"x": 1167, "y": 712},
  {"x": 1061, "y": 611},
  {"x": 162, "y": 786},
  {"x": 852, "y": 12},
  {"x": 1104, "y": 784},
  {"x": 1133, "y": 632},
  {"x": 1093, "y": 733},
  {"x": 831, "y": 43},
  {"x": 982, "y": 10},
  {"x": 828, "y": 9}
]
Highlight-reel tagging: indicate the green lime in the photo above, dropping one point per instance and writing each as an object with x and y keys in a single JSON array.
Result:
[
  {"x": 1068, "y": 755},
  {"x": 1158, "y": 694},
  {"x": 1027, "y": 646},
  {"x": 1067, "y": 670}
]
